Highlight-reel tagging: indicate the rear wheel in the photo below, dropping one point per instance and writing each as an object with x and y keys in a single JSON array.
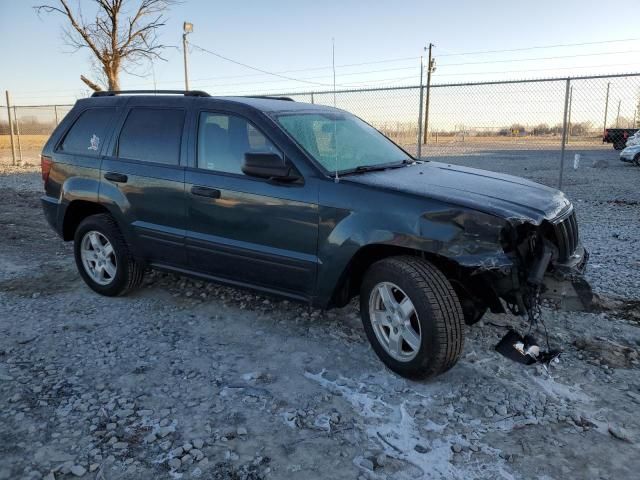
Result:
[
  {"x": 103, "y": 258},
  {"x": 618, "y": 145},
  {"x": 636, "y": 159},
  {"x": 412, "y": 317}
]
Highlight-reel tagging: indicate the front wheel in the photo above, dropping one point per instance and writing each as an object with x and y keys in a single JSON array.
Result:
[
  {"x": 412, "y": 317},
  {"x": 103, "y": 258}
]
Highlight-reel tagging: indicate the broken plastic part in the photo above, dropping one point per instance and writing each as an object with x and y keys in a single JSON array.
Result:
[{"x": 524, "y": 349}]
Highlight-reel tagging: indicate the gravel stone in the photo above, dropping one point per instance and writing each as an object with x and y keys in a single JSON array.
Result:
[
  {"x": 78, "y": 470},
  {"x": 85, "y": 380}
]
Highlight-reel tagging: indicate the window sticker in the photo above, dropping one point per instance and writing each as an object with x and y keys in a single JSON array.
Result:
[{"x": 94, "y": 142}]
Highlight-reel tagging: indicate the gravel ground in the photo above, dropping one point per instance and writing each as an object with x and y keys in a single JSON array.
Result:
[{"x": 189, "y": 380}]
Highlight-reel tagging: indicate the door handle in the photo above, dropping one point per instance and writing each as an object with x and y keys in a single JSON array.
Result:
[
  {"x": 205, "y": 192},
  {"x": 116, "y": 177}
]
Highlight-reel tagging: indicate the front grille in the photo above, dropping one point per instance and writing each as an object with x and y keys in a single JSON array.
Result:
[{"x": 566, "y": 233}]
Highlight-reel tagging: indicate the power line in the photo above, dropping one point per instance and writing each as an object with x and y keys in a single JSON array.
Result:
[
  {"x": 309, "y": 78},
  {"x": 259, "y": 69},
  {"x": 479, "y": 52},
  {"x": 538, "y": 69},
  {"x": 537, "y": 58}
]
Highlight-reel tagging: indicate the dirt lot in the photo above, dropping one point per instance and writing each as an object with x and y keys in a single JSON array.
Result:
[{"x": 191, "y": 380}]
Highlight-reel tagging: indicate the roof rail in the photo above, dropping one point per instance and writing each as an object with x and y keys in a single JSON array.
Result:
[
  {"x": 288, "y": 99},
  {"x": 186, "y": 93}
]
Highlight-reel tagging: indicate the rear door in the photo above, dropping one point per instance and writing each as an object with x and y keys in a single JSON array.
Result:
[
  {"x": 144, "y": 177},
  {"x": 247, "y": 230}
]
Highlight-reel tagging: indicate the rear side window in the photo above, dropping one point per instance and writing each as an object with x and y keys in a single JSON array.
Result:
[
  {"x": 152, "y": 135},
  {"x": 86, "y": 136}
]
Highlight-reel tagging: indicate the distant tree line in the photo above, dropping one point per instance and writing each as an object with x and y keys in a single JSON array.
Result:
[{"x": 29, "y": 126}]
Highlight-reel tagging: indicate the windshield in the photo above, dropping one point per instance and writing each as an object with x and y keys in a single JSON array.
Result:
[{"x": 340, "y": 141}]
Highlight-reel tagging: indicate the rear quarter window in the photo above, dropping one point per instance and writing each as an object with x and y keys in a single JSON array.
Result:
[
  {"x": 152, "y": 135},
  {"x": 87, "y": 134}
]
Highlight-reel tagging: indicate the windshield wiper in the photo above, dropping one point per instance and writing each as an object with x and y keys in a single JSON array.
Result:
[{"x": 373, "y": 168}]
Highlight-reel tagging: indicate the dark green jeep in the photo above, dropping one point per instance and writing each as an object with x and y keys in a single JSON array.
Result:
[{"x": 306, "y": 202}]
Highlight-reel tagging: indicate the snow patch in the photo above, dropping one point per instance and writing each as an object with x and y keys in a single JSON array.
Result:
[{"x": 395, "y": 430}]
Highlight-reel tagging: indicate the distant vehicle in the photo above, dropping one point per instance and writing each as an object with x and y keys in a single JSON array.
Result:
[
  {"x": 307, "y": 202},
  {"x": 618, "y": 136},
  {"x": 634, "y": 139},
  {"x": 631, "y": 154}
]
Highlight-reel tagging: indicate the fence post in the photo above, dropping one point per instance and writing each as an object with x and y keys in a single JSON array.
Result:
[
  {"x": 312, "y": 99},
  {"x": 13, "y": 149},
  {"x": 569, "y": 117},
  {"x": 606, "y": 109},
  {"x": 15, "y": 118},
  {"x": 55, "y": 113},
  {"x": 564, "y": 132}
]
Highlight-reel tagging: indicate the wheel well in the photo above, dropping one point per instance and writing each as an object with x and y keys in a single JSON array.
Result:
[
  {"x": 351, "y": 279},
  {"x": 474, "y": 290},
  {"x": 77, "y": 211}
]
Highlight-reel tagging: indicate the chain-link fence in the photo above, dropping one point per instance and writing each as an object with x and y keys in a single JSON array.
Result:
[
  {"x": 32, "y": 126},
  {"x": 466, "y": 119}
]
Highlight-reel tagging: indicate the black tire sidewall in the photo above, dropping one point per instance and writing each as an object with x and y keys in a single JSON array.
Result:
[
  {"x": 100, "y": 224},
  {"x": 429, "y": 346}
]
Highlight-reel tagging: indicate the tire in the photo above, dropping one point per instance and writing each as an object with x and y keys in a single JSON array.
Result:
[
  {"x": 127, "y": 273},
  {"x": 636, "y": 160},
  {"x": 438, "y": 315},
  {"x": 618, "y": 145}
]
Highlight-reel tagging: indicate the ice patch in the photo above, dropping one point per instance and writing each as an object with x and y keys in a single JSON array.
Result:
[
  {"x": 560, "y": 391},
  {"x": 395, "y": 430}
]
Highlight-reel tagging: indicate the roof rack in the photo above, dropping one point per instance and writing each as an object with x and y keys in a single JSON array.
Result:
[
  {"x": 186, "y": 93},
  {"x": 288, "y": 99}
]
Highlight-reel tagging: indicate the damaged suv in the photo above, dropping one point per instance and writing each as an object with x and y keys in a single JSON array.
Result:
[{"x": 306, "y": 202}]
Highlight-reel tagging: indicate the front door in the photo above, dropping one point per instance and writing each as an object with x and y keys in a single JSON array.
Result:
[{"x": 246, "y": 230}]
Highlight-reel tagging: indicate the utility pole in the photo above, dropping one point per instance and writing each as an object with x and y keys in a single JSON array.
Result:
[
  {"x": 187, "y": 28},
  {"x": 430, "y": 69},
  {"x": 618, "y": 117},
  {"x": 606, "y": 109},
  {"x": 13, "y": 148},
  {"x": 420, "y": 108}
]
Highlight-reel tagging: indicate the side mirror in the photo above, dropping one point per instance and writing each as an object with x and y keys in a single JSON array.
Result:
[{"x": 268, "y": 165}]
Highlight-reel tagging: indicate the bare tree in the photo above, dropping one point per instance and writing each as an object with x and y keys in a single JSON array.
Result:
[{"x": 121, "y": 38}]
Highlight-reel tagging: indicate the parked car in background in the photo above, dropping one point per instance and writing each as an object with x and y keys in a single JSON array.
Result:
[
  {"x": 307, "y": 202},
  {"x": 631, "y": 154},
  {"x": 618, "y": 136},
  {"x": 633, "y": 139}
]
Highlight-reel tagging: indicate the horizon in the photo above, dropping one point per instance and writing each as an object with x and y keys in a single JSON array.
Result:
[{"x": 513, "y": 47}]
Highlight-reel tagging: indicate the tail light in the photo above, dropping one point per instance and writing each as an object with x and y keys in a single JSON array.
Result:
[{"x": 45, "y": 166}]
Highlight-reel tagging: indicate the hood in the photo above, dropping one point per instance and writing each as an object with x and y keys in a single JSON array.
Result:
[{"x": 497, "y": 194}]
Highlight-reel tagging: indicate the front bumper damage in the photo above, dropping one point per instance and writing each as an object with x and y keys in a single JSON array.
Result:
[
  {"x": 549, "y": 263},
  {"x": 566, "y": 285}
]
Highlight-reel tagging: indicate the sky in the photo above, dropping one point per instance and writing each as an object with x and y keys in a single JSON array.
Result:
[{"x": 296, "y": 37}]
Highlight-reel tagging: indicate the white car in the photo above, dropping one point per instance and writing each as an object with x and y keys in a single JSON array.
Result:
[
  {"x": 631, "y": 154},
  {"x": 633, "y": 139}
]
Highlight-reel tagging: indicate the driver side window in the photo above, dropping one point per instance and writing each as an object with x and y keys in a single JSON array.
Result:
[{"x": 223, "y": 140}]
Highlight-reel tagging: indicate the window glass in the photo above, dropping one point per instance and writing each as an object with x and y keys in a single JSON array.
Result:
[
  {"x": 152, "y": 135},
  {"x": 223, "y": 141},
  {"x": 340, "y": 141},
  {"x": 87, "y": 133}
]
